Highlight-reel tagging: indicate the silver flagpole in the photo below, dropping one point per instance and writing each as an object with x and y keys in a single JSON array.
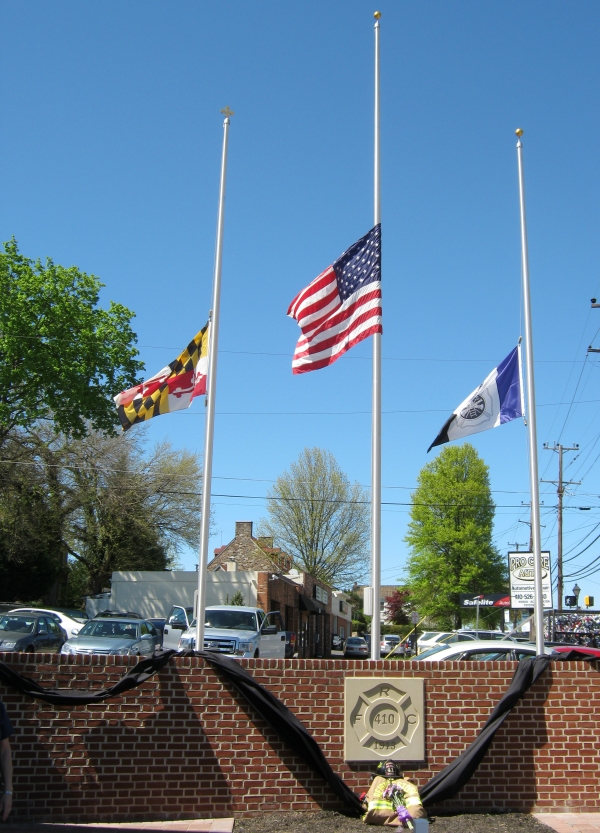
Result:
[
  {"x": 538, "y": 610},
  {"x": 376, "y": 417},
  {"x": 213, "y": 347}
]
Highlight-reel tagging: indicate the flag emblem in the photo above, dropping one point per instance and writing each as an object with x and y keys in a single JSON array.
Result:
[
  {"x": 171, "y": 389},
  {"x": 341, "y": 307},
  {"x": 498, "y": 399}
]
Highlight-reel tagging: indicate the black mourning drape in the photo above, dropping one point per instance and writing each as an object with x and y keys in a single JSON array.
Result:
[{"x": 442, "y": 786}]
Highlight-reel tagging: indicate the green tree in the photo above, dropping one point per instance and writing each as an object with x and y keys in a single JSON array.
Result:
[
  {"x": 61, "y": 356},
  {"x": 450, "y": 536},
  {"x": 132, "y": 510},
  {"x": 361, "y": 623},
  {"x": 73, "y": 510},
  {"x": 320, "y": 518},
  {"x": 30, "y": 538}
]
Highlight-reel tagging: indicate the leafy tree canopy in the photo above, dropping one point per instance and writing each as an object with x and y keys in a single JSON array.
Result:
[
  {"x": 73, "y": 510},
  {"x": 397, "y": 607},
  {"x": 320, "y": 518},
  {"x": 60, "y": 354},
  {"x": 450, "y": 536}
]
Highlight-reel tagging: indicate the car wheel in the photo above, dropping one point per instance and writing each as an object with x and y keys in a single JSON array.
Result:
[
  {"x": 256, "y": 654},
  {"x": 29, "y": 650}
]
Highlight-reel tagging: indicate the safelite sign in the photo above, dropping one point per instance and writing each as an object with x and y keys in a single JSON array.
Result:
[
  {"x": 484, "y": 600},
  {"x": 521, "y": 570}
]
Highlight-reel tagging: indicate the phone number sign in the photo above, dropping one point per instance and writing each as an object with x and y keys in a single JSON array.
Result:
[{"x": 522, "y": 579}]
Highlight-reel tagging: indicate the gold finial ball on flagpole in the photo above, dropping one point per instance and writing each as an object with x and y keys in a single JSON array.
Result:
[
  {"x": 519, "y": 132},
  {"x": 377, "y": 15}
]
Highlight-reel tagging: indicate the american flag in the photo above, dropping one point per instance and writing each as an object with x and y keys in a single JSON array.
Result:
[{"x": 341, "y": 307}]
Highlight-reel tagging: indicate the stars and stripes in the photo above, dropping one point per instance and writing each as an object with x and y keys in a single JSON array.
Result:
[
  {"x": 341, "y": 307},
  {"x": 171, "y": 389}
]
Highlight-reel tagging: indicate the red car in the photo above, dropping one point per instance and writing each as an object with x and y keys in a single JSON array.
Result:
[{"x": 580, "y": 649}]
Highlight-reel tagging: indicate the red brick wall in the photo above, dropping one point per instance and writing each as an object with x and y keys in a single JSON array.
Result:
[{"x": 185, "y": 745}]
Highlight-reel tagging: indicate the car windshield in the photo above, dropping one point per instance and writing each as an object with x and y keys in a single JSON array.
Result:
[
  {"x": 110, "y": 629},
  {"x": 237, "y": 620},
  {"x": 356, "y": 641},
  {"x": 429, "y": 635},
  {"x": 432, "y": 651},
  {"x": 78, "y": 615},
  {"x": 19, "y": 624}
]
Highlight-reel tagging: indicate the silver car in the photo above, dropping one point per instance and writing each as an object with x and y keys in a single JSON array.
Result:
[
  {"x": 478, "y": 650},
  {"x": 115, "y": 637}
]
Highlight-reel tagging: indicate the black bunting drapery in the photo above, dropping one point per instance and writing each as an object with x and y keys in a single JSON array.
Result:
[
  {"x": 454, "y": 776},
  {"x": 442, "y": 786},
  {"x": 268, "y": 706}
]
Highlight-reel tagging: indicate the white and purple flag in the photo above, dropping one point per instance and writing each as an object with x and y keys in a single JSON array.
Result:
[{"x": 498, "y": 399}]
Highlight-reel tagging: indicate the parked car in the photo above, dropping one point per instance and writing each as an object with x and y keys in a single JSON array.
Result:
[
  {"x": 430, "y": 638},
  {"x": 159, "y": 624},
  {"x": 478, "y": 650},
  {"x": 400, "y": 648},
  {"x": 580, "y": 649},
  {"x": 391, "y": 642},
  {"x": 290, "y": 644},
  {"x": 337, "y": 642},
  {"x": 471, "y": 633},
  {"x": 178, "y": 621},
  {"x": 71, "y": 621},
  {"x": 457, "y": 637},
  {"x": 356, "y": 647},
  {"x": 239, "y": 632},
  {"x": 30, "y": 632},
  {"x": 115, "y": 636}
]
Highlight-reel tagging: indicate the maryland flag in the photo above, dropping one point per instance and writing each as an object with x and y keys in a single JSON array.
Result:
[{"x": 172, "y": 389}]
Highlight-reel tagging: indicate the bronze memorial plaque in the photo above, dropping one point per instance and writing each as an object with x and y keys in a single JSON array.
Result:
[{"x": 384, "y": 718}]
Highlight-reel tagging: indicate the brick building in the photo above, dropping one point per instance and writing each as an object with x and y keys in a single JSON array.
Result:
[
  {"x": 250, "y": 553},
  {"x": 304, "y": 602}
]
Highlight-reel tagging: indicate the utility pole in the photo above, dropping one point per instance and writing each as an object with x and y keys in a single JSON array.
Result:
[
  {"x": 560, "y": 490},
  {"x": 529, "y": 524},
  {"x": 595, "y": 305}
]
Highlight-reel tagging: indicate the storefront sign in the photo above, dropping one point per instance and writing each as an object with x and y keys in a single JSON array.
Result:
[
  {"x": 521, "y": 570},
  {"x": 484, "y": 599}
]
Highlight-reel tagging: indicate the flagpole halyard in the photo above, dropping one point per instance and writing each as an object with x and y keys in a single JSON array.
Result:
[
  {"x": 211, "y": 396},
  {"x": 538, "y": 611},
  {"x": 376, "y": 415}
]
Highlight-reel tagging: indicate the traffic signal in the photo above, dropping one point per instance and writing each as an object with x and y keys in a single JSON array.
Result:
[{"x": 588, "y": 601}]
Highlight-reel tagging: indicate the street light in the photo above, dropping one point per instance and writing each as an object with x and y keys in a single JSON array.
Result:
[{"x": 576, "y": 592}]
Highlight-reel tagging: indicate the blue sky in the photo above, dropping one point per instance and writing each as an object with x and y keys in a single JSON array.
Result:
[{"x": 110, "y": 152}]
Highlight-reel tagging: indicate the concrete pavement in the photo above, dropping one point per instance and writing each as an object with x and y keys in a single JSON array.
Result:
[
  {"x": 571, "y": 822},
  {"x": 182, "y": 826}
]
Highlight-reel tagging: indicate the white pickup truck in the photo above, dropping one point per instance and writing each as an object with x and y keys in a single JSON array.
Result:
[{"x": 237, "y": 632}]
